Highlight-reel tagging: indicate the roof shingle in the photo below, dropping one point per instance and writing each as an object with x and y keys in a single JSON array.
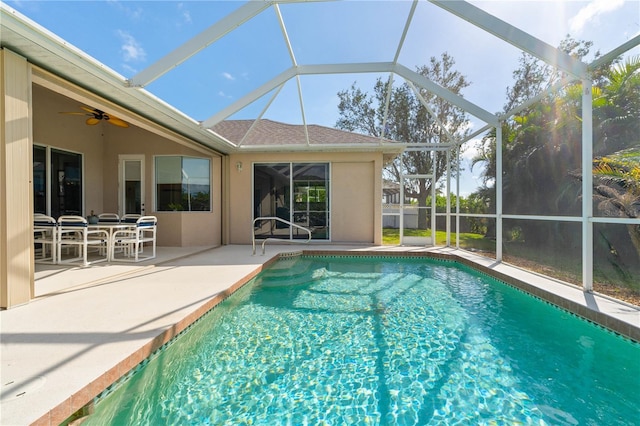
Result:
[{"x": 268, "y": 132}]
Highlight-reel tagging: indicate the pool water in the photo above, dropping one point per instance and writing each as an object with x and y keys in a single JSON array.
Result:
[{"x": 382, "y": 341}]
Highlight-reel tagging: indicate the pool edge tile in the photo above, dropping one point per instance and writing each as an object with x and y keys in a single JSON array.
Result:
[
  {"x": 60, "y": 413},
  {"x": 80, "y": 399},
  {"x": 45, "y": 420}
]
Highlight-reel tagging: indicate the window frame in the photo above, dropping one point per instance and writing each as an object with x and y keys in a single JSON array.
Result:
[
  {"x": 155, "y": 197},
  {"x": 50, "y": 184},
  {"x": 291, "y": 196}
]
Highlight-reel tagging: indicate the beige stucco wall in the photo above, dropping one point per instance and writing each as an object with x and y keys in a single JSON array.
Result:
[
  {"x": 103, "y": 144},
  {"x": 353, "y": 201},
  {"x": 355, "y": 194},
  {"x": 176, "y": 229},
  {"x": 70, "y": 133},
  {"x": 16, "y": 226}
]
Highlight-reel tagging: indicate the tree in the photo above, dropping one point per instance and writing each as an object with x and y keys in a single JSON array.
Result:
[
  {"x": 542, "y": 160},
  {"x": 541, "y": 145},
  {"x": 616, "y": 182},
  {"x": 407, "y": 120}
]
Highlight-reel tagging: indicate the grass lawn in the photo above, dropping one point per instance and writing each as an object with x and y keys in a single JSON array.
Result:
[{"x": 391, "y": 237}]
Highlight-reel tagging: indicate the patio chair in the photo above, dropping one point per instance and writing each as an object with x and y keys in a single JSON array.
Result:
[
  {"x": 74, "y": 232},
  {"x": 45, "y": 236},
  {"x": 132, "y": 242},
  {"x": 108, "y": 218},
  {"x": 130, "y": 218}
]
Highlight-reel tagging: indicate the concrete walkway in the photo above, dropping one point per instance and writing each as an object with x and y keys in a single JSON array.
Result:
[{"x": 89, "y": 326}]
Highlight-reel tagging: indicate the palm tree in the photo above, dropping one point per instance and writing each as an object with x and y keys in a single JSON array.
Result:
[{"x": 616, "y": 182}]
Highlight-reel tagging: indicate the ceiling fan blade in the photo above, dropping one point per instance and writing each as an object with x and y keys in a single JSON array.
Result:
[
  {"x": 117, "y": 122},
  {"x": 96, "y": 115}
]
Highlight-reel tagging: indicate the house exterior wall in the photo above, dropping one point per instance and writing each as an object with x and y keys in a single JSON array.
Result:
[
  {"x": 175, "y": 229},
  {"x": 16, "y": 226},
  {"x": 103, "y": 144},
  {"x": 354, "y": 201},
  {"x": 70, "y": 133},
  {"x": 355, "y": 194},
  {"x": 31, "y": 106}
]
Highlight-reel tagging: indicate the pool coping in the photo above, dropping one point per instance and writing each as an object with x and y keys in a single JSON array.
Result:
[{"x": 614, "y": 315}]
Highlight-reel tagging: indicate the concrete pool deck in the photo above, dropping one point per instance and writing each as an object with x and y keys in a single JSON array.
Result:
[{"x": 87, "y": 327}]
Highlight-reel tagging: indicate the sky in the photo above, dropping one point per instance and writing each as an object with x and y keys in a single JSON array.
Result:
[{"x": 129, "y": 36}]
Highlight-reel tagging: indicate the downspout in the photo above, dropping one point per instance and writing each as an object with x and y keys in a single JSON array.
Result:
[{"x": 225, "y": 210}]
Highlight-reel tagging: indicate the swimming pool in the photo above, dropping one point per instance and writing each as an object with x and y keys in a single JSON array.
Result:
[{"x": 346, "y": 340}]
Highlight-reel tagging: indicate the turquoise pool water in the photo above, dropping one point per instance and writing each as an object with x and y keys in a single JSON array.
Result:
[{"x": 382, "y": 341}]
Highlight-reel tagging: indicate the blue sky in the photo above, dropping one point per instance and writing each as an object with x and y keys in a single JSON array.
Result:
[{"x": 128, "y": 36}]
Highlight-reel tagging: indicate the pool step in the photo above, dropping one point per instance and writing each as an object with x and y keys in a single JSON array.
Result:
[{"x": 287, "y": 272}]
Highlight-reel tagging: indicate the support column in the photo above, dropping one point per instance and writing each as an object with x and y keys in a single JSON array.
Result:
[
  {"x": 378, "y": 166},
  {"x": 448, "y": 223},
  {"x": 587, "y": 186},
  {"x": 16, "y": 196},
  {"x": 499, "y": 192}
]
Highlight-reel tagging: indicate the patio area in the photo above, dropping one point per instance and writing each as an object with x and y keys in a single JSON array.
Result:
[{"x": 87, "y": 327}]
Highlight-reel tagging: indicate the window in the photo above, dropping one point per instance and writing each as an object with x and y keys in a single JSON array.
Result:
[
  {"x": 57, "y": 182},
  {"x": 295, "y": 192},
  {"x": 183, "y": 184}
]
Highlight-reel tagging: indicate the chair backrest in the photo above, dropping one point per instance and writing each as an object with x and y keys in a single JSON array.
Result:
[
  {"x": 70, "y": 220},
  {"x": 130, "y": 218},
  {"x": 146, "y": 221},
  {"x": 43, "y": 220},
  {"x": 108, "y": 218}
]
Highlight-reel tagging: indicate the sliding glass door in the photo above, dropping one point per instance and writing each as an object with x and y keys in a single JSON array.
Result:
[
  {"x": 57, "y": 182},
  {"x": 310, "y": 198},
  {"x": 40, "y": 180},
  {"x": 295, "y": 192}
]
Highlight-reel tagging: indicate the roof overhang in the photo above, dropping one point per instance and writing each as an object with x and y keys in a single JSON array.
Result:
[
  {"x": 49, "y": 52},
  {"x": 385, "y": 148}
]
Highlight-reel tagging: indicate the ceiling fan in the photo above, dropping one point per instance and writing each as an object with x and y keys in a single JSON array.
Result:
[{"x": 95, "y": 116}]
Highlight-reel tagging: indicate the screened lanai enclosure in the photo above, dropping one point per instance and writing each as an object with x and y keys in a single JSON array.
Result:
[
  {"x": 557, "y": 169},
  {"x": 518, "y": 122}
]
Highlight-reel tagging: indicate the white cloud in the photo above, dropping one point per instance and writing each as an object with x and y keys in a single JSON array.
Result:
[
  {"x": 470, "y": 149},
  {"x": 224, "y": 95},
  {"x": 592, "y": 12},
  {"x": 132, "y": 51},
  {"x": 228, "y": 76},
  {"x": 186, "y": 15},
  {"x": 134, "y": 14}
]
